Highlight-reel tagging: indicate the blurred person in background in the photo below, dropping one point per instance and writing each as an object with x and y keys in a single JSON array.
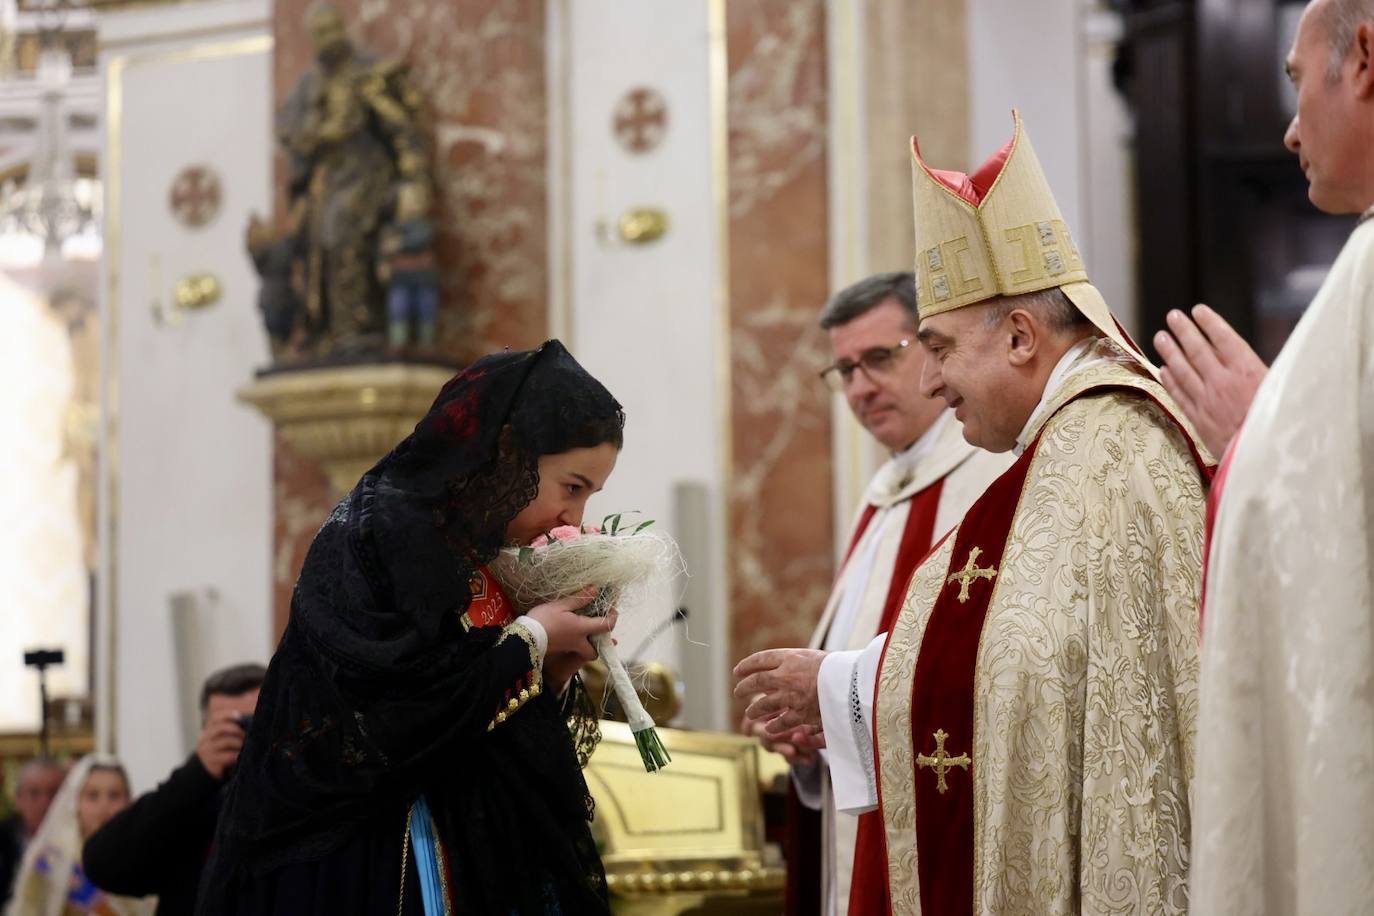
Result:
[
  {"x": 39, "y": 780},
  {"x": 51, "y": 880},
  {"x": 160, "y": 843}
]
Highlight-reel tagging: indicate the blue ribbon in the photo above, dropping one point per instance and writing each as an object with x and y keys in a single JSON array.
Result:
[{"x": 424, "y": 843}]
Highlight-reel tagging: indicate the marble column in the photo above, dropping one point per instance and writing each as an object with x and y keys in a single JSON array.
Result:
[{"x": 780, "y": 515}]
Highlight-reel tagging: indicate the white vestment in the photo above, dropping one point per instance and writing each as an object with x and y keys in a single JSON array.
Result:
[
  {"x": 1283, "y": 814},
  {"x": 856, "y": 602}
]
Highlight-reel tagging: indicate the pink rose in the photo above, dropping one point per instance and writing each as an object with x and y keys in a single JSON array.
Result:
[{"x": 563, "y": 533}]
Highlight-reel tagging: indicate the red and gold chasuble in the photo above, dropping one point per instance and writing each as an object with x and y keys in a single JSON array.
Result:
[
  {"x": 868, "y": 892},
  {"x": 941, "y": 673}
]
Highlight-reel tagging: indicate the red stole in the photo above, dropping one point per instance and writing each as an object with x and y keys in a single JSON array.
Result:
[
  {"x": 916, "y": 536},
  {"x": 942, "y": 700}
]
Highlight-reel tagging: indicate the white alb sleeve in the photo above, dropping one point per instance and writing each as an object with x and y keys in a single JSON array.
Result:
[{"x": 845, "y": 686}]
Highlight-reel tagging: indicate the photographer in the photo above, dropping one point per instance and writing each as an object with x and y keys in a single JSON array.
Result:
[{"x": 160, "y": 843}]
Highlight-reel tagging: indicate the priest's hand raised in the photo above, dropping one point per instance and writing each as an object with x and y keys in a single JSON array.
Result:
[
  {"x": 780, "y": 687},
  {"x": 1211, "y": 372}
]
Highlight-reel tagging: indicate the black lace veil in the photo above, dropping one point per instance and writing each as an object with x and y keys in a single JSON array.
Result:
[{"x": 367, "y": 700}]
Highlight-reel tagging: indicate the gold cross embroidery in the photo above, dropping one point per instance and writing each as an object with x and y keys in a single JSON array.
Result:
[
  {"x": 942, "y": 762},
  {"x": 970, "y": 572}
]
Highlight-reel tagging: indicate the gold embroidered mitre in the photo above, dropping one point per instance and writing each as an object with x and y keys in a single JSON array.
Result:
[{"x": 998, "y": 232}]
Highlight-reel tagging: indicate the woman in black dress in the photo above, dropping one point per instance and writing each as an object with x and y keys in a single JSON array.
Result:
[{"x": 414, "y": 749}]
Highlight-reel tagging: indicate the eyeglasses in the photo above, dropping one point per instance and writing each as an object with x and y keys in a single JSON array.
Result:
[{"x": 875, "y": 362}]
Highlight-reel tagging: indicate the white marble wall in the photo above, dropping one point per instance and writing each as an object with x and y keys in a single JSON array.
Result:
[
  {"x": 186, "y": 506},
  {"x": 646, "y": 319}
]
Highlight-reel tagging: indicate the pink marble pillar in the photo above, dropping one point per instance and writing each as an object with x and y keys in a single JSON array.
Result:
[{"x": 781, "y": 519}]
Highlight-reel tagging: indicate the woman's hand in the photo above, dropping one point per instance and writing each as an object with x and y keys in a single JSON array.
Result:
[{"x": 569, "y": 632}]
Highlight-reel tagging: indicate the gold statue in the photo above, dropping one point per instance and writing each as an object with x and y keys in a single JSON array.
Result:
[{"x": 354, "y": 148}]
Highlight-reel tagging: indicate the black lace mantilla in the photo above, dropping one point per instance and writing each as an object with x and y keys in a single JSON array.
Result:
[{"x": 377, "y": 694}]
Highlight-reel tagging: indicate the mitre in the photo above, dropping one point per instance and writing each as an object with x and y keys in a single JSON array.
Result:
[{"x": 999, "y": 232}]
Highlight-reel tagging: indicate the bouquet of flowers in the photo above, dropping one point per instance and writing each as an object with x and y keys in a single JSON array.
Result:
[{"x": 626, "y": 562}]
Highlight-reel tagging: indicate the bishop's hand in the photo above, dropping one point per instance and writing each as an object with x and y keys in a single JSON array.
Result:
[
  {"x": 781, "y": 689},
  {"x": 798, "y": 746}
]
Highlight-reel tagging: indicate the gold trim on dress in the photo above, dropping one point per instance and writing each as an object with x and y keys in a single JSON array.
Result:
[
  {"x": 441, "y": 859},
  {"x": 405, "y": 858},
  {"x": 536, "y": 675}
]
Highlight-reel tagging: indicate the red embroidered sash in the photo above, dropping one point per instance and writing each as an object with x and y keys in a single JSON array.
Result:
[{"x": 489, "y": 607}]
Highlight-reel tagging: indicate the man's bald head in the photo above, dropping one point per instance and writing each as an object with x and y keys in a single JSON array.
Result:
[
  {"x": 1341, "y": 19},
  {"x": 1331, "y": 65}
]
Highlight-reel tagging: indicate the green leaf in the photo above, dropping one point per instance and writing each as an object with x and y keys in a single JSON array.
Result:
[
  {"x": 615, "y": 523},
  {"x": 526, "y": 553},
  {"x": 641, "y": 526}
]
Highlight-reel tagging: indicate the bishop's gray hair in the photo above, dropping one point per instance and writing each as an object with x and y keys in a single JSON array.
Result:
[
  {"x": 1342, "y": 18},
  {"x": 1050, "y": 306}
]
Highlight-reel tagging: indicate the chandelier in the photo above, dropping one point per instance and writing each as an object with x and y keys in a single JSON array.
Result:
[{"x": 53, "y": 204}]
